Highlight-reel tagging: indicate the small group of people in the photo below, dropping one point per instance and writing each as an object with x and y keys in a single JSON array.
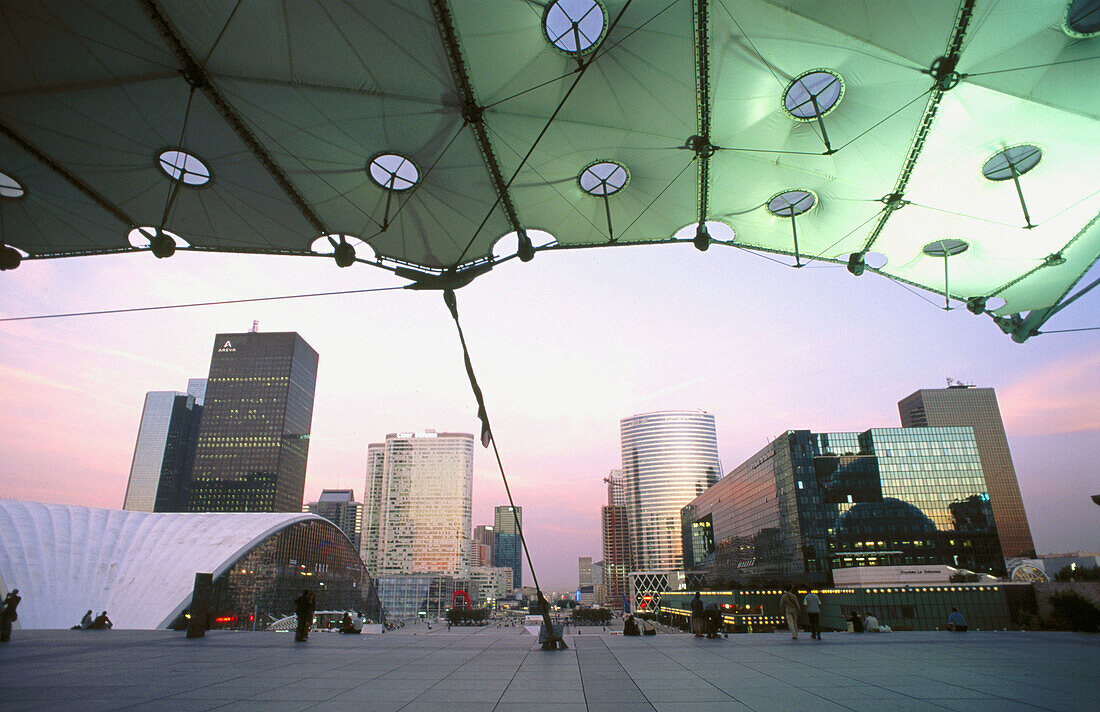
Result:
[
  {"x": 635, "y": 626},
  {"x": 8, "y": 614},
  {"x": 705, "y": 619},
  {"x": 100, "y": 622},
  {"x": 869, "y": 623},
  {"x": 792, "y": 609},
  {"x": 304, "y": 607}
]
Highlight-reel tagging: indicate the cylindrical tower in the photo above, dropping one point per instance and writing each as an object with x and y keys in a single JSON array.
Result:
[{"x": 669, "y": 458}]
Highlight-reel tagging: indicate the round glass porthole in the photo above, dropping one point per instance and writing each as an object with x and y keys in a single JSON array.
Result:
[
  {"x": 184, "y": 167},
  {"x": 1082, "y": 18},
  {"x": 603, "y": 178},
  {"x": 813, "y": 94},
  {"x": 791, "y": 202},
  {"x": 574, "y": 26},
  {"x": 10, "y": 187},
  {"x": 945, "y": 248},
  {"x": 1020, "y": 159},
  {"x": 393, "y": 172}
]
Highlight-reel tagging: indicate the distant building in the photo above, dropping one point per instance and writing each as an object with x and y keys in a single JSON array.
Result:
[
  {"x": 584, "y": 571},
  {"x": 483, "y": 550},
  {"x": 421, "y": 520},
  {"x": 507, "y": 547},
  {"x": 669, "y": 458},
  {"x": 617, "y": 558},
  {"x": 599, "y": 583},
  {"x": 959, "y": 406},
  {"x": 340, "y": 508},
  {"x": 810, "y": 503},
  {"x": 413, "y": 596},
  {"x": 489, "y": 584},
  {"x": 160, "y": 473},
  {"x": 254, "y": 437},
  {"x": 372, "y": 506}
]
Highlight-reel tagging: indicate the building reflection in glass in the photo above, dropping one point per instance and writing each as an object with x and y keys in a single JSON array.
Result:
[
  {"x": 812, "y": 502},
  {"x": 260, "y": 587}
]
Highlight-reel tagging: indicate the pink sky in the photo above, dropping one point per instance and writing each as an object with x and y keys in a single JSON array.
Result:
[{"x": 564, "y": 346}]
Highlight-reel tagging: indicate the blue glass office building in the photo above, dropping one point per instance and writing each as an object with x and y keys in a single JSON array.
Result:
[{"x": 809, "y": 503}]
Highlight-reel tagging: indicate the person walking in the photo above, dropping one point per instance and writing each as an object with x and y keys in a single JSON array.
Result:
[
  {"x": 813, "y": 612},
  {"x": 698, "y": 622},
  {"x": 790, "y": 608},
  {"x": 8, "y": 614},
  {"x": 303, "y": 608}
]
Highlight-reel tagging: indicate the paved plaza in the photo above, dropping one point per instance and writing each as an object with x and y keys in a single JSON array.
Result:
[{"x": 502, "y": 669}]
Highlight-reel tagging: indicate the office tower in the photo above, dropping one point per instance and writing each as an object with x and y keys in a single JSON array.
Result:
[
  {"x": 254, "y": 437},
  {"x": 160, "y": 472},
  {"x": 616, "y": 542},
  {"x": 483, "y": 540},
  {"x": 584, "y": 571},
  {"x": 507, "y": 547},
  {"x": 372, "y": 506},
  {"x": 423, "y": 518},
  {"x": 340, "y": 508},
  {"x": 197, "y": 387},
  {"x": 810, "y": 503},
  {"x": 960, "y": 405},
  {"x": 669, "y": 458}
]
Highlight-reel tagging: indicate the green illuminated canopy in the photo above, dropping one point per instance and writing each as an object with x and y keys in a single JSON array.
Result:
[{"x": 415, "y": 134}]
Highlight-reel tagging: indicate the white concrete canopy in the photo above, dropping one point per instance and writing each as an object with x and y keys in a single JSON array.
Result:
[{"x": 140, "y": 567}]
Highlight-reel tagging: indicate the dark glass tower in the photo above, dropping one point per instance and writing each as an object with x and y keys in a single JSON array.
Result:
[
  {"x": 160, "y": 473},
  {"x": 959, "y": 406},
  {"x": 507, "y": 547},
  {"x": 254, "y": 437}
]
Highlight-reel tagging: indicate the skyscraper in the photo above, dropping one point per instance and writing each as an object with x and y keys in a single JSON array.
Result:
[
  {"x": 424, "y": 513},
  {"x": 669, "y": 458},
  {"x": 372, "y": 506},
  {"x": 340, "y": 508},
  {"x": 507, "y": 547},
  {"x": 254, "y": 437},
  {"x": 160, "y": 472},
  {"x": 617, "y": 560},
  {"x": 483, "y": 542},
  {"x": 959, "y": 406}
]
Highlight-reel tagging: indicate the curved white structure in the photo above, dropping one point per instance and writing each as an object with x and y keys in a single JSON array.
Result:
[{"x": 137, "y": 566}]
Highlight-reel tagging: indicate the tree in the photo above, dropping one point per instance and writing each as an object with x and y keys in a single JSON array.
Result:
[{"x": 1078, "y": 573}]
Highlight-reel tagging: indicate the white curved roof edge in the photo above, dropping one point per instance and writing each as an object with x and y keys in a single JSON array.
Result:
[{"x": 138, "y": 566}]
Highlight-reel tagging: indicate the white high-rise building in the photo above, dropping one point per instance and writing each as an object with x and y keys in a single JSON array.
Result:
[
  {"x": 418, "y": 512},
  {"x": 669, "y": 458}
]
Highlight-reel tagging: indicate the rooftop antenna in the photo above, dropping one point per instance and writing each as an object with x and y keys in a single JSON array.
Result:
[{"x": 255, "y": 327}]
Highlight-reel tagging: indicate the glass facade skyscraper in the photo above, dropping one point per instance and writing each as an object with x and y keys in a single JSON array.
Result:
[
  {"x": 160, "y": 472},
  {"x": 959, "y": 406},
  {"x": 254, "y": 437},
  {"x": 507, "y": 547},
  {"x": 809, "y": 503},
  {"x": 423, "y": 513},
  {"x": 669, "y": 458},
  {"x": 340, "y": 508}
]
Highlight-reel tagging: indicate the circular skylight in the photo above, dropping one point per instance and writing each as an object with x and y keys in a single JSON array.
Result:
[
  {"x": 604, "y": 178},
  {"x": 393, "y": 172},
  {"x": 10, "y": 187},
  {"x": 945, "y": 248},
  {"x": 574, "y": 25},
  {"x": 1022, "y": 158},
  {"x": 791, "y": 202},
  {"x": 139, "y": 236},
  {"x": 183, "y": 166},
  {"x": 1082, "y": 18},
  {"x": 813, "y": 94}
]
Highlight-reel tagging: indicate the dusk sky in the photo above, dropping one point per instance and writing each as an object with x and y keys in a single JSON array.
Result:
[{"x": 564, "y": 346}]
